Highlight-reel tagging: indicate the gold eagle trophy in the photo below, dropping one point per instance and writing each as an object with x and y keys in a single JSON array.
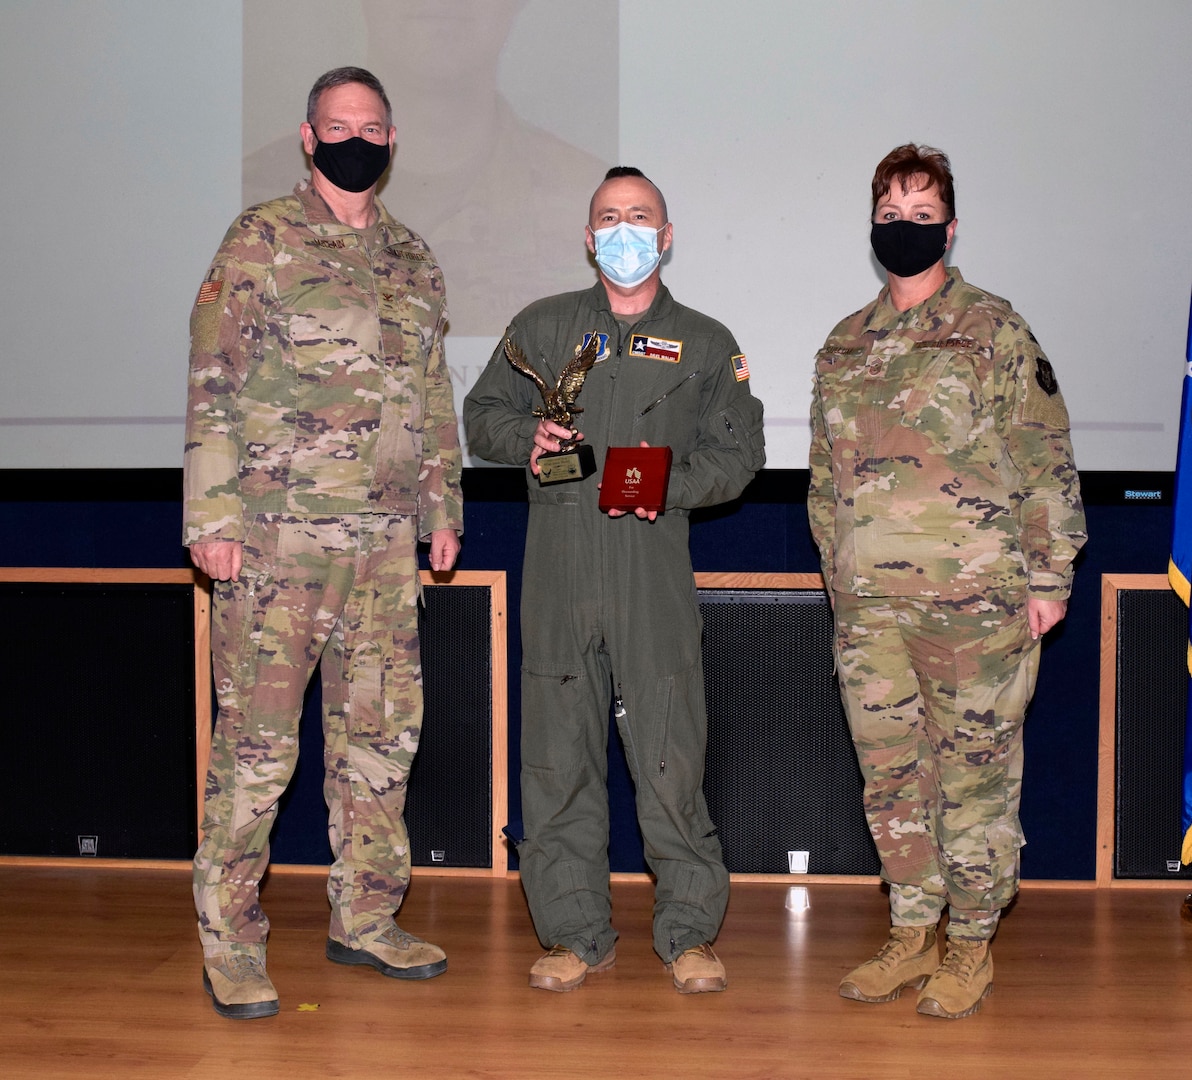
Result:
[{"x": 573, "y": 460}]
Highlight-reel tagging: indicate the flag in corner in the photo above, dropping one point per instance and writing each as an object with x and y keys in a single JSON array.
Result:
[{"x": 1179, "y": 570}]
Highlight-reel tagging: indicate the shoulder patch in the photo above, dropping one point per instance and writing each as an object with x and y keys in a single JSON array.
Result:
[
  {"x": 740, "y": 367},
  {"x": 1045, "y": 376},
  {"x": 1042, "y": 401},
  {"x": 210, "y": 291},
  {"x": 207, "y": 313}
]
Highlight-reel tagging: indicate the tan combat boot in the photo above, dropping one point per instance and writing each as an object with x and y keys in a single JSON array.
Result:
[
  {"x": 908, "y": 958},
  {"x": 561, "y": 970},
  {"x": 394, "y": 953},
  {"x": 239, "y": 987},
  {"x": 698, "y": 970},
  {"x": 963, "y": 981}
]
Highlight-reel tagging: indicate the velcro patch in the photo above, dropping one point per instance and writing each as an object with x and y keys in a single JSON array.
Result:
[
  {"x": 829, "y": 355},
  {"x": 740, "y": 367},
  {"x": 956, "y": 343},
  {"x": 655, "y": 348},
  {"x": 1042, "y": 403},
  {"x": 209, "y": 291},
  {"x": 207, "y": 314}
]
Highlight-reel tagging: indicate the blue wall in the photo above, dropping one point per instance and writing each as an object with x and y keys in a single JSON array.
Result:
[{"x": 123, "y": 518}]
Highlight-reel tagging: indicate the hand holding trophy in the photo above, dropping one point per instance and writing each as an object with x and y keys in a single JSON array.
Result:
[{"x": 572, "y": 461}]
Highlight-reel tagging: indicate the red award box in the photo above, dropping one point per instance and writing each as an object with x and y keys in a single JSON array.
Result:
[{"x": 635, "y": 476}]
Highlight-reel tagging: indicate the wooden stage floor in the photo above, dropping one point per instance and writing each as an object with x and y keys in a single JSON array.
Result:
[{"x": 101, "y": 978}]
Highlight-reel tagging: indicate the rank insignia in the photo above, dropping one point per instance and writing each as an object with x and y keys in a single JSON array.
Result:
[
  {"x": 655, "y": 348},
  {"x": 740, "y": 367}
]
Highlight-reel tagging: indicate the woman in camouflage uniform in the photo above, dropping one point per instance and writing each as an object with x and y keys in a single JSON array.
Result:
[{"x": 946, "y": 508}]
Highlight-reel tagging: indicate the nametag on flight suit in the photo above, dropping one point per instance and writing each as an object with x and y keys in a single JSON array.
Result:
[{"x": 655, "y": 348}]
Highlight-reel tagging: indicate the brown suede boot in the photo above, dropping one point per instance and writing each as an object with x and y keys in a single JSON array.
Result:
[
  {"x": 561, "y": 970},
  {"x": 963, "y": 981},
  {"x": 908, "y": 958},
  {"x": 239, "y": 987},
  {"x": 698, "y": 970}
]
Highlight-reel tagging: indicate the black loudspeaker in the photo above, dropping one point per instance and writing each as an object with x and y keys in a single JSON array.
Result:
[
  {"x": 781, "y": 776},
  {"x": 98, "y": 721},
  {"x": 1150, "y": 700},
  {"x": 450, "y": 798},
  {"x": 449, "y": 801}
]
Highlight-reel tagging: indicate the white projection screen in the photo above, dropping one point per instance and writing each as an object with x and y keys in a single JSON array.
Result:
[{"x": 137, "y": 130}]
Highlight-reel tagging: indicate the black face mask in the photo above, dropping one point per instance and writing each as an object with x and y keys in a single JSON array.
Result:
[
  {"x": 352, "y": 165},
  {"x": 907, "y": 248}
]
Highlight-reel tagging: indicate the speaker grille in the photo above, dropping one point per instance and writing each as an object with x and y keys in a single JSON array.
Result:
[
  {"x": 781, "y": 773},
  {"x": 449, "y": 803},
  {"x": 97, "y": 720},
  {"x": 1151, "y": 699}
]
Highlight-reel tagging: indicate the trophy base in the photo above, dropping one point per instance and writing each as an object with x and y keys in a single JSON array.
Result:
[{"x": 577, "y": 463}]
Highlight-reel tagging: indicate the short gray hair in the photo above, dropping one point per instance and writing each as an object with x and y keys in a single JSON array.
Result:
[{"x": 341, "y": 76}]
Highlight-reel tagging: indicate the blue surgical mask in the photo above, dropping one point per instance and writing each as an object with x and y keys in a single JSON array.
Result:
[{"x": 627, "y": 254}]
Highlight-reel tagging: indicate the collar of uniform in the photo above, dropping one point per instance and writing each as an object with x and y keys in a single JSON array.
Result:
[
  {"x": 323, "y": 222},
  {"x": 660, "y": 305},
  {"x": 885, "y": 315}
]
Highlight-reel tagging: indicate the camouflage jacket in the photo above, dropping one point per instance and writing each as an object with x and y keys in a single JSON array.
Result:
[
  {"x": 318, "y": 383},
  {"x": 941, "y": 463}
]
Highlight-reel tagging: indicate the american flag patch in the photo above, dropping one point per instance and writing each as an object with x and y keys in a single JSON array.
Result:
[
  {"x": 740, "y": 367},
  {"x": 209, "y": 291},
  {"x": 655, "y": 348}
]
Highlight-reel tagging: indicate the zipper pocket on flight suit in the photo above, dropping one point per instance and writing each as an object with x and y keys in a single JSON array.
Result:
[{"x": 659, "y": 401}]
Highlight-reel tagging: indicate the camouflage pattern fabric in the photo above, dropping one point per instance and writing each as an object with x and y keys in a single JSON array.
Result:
[
  {"x": 941, "y": 463},
  {"x": 936, "y": 694},
  {"x": 317, "y": 378},
  {"x": 321, "y": 434},
  {"x": 943, "y": 493},
  {"x": 345, "y": 589}
]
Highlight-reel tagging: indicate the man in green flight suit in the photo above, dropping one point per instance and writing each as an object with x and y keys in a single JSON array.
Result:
[{"x": 609, "y": 610}]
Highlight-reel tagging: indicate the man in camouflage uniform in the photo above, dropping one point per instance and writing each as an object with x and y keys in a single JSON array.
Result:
[
  {"x": 609, "y": 611},
  {"x": 321, "y": 447},
  {"x": 946, "y": 508}
]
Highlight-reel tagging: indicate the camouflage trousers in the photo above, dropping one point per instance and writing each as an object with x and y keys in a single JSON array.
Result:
[
  {"x": 936, "y": 694},
  {"x": 345, "y": 590}
]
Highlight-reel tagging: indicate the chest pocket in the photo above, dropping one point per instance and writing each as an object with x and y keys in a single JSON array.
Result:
[
  {"x": 322, "y": 304},
  {"x": 409, "y": 303},
  {"x": 946, "y": 401},
  {"x": 839, "y": 384}
]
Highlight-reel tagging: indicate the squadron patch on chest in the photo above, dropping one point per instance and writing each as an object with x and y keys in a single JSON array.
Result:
[
  {"x": 655, "y": 348},
  {"x": 602, "y": 354}
]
